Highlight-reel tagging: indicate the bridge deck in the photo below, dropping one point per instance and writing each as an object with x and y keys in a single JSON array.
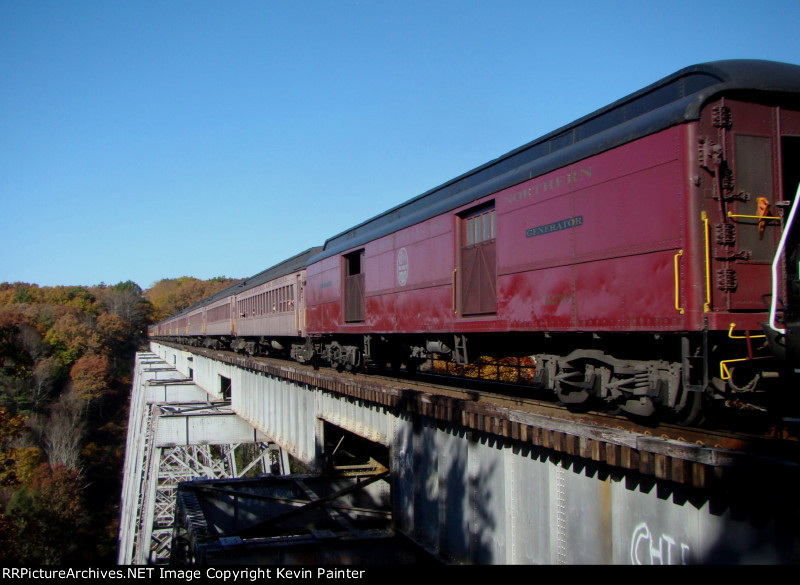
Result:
[
  {"x": 478, "y": 479},
  {"x": 679, "y": 455}
]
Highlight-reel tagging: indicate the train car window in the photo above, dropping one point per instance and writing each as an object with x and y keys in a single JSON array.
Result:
[
  {"x": 754, "y": 175},
  {"x": 353, "y": 263},
  {"x": 479, "y": 227}
]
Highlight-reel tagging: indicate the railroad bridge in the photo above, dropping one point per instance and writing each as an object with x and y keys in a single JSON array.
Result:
[{"x": 472, "y": 479}]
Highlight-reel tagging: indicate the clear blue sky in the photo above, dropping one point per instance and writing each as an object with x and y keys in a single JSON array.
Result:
[{"x": 146, "y": 140}]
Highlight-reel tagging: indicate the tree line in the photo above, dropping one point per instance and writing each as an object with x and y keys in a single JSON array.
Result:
[{"x": 66, "y": 358}]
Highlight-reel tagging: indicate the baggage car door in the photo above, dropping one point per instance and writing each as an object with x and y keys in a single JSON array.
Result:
[
  {"x": 354, "y": 294},
  {"x": 299, "y": 304},
  {"x": 478, "y": 282}
]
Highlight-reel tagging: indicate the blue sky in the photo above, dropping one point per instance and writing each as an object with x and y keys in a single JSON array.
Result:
[{"x": 147, "y": 140}]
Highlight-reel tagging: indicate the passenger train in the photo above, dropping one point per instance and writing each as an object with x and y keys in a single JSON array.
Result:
[{"x": 645, "y": 256}]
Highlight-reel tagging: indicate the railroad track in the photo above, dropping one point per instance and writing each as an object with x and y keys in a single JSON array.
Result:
[
  {"x": 699, "y": 457},
  {"x": 532, "y": 398}
]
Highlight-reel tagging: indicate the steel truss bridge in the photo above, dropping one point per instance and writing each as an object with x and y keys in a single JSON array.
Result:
[{"x": 178, "y": 433}]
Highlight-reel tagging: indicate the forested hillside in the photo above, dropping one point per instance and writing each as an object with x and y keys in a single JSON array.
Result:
[
  {"x": 171, "y": 295},
  {"x": 66, "y": 358}
]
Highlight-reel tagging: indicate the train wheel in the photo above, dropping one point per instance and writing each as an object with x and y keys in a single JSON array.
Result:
[
  {"x": 570, "y": 396},
  {"x": 335, "y": 354},
  {"x": 571, "y": 393},
  {"x": 573, "y": 387},
  {"x": 692, "y": 412}
]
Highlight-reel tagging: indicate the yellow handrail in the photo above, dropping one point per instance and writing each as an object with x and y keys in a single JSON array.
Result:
[
  {"x": 676, "y": 260},
  {"x": 753, "y": 216},
  {"x": 724, "y": 372},
  {"x": 732, "y": 336},
  {"x": 455, "y": 307},
  {"x": 707, "y": 304}
]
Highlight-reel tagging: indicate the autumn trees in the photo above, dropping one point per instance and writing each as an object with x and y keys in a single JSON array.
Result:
[
  {"x": 66, "y": 355},
  {"x": 65, "y": 362},
  {"x": 172, "y": 295},
  {"x": 53, "y": 337},
  {"x": 50, "y": 518}
]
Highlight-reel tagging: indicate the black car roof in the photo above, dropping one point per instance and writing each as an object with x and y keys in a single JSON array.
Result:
[
  {"x": 672, "y": 100},
  {"x": 293, "y": 264}
]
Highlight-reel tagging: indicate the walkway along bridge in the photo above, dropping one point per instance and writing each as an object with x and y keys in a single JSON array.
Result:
[{"x": 472, "y": 480}]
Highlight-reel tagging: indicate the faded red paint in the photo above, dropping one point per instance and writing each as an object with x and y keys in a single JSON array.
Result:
[{"x": 588, "y": 247}]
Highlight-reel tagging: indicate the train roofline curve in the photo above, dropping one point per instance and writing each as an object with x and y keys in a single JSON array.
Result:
[
  {"x": 288, "y": 266},
  {"x": 672, "y": 100}
]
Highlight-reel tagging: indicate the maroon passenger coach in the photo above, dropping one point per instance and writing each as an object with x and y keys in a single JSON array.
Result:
[
  {"x": 630, "y": 252},
  {"x": 644, "y": 256}
]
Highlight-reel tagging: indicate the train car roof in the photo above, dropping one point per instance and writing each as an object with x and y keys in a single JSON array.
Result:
[
  {"x": 672, "y": 100},
  {"x": 293, "y": 264}
]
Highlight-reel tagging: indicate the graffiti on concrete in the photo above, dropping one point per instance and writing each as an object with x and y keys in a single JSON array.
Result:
[{"x": 648, "y": 548}]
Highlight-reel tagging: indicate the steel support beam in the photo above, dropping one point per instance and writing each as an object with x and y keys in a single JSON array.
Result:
[{"x": 176, "y": 433}]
